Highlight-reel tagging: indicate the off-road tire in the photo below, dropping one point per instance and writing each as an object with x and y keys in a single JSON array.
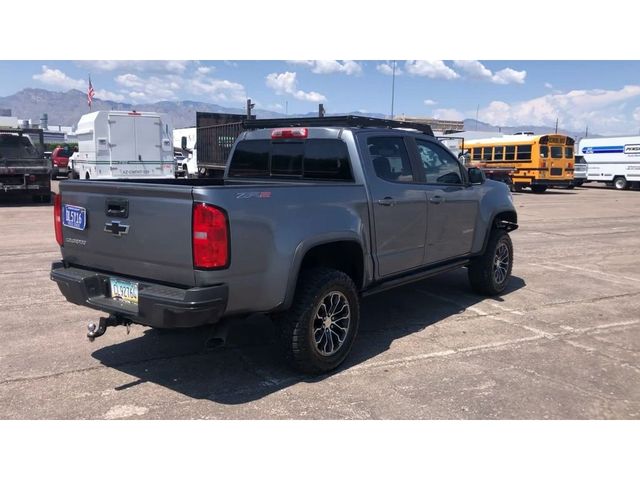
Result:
[
  {"x": 295, "y": 327},
  {"x": 482, "y": 275}
]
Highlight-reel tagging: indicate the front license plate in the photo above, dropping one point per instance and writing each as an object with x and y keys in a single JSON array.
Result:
[
  {"x": 74, "y": 217},
  {"x": 125, "y": 291}
]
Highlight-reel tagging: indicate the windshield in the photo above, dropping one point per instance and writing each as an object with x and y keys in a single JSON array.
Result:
[{"x": 14, "y": 146}]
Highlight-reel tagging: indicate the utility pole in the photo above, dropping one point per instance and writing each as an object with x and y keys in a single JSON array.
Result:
[
  {"x": 556, "y": 124},
  {"x": 321, "y": 110},
  {"x": 286, "y": 107},
  {"x": 586, "y": 132},
  {"x": 249, "y": 108},
  {"x": 393, "y": 87}
]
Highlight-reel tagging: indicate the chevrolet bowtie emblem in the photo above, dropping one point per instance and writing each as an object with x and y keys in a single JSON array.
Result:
[{"x": 116, "y": 228}]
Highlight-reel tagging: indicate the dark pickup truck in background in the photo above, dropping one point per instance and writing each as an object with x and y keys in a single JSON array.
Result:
[
  {"x": 311, "y": 216},
  {"x": 24, "y": 170}
]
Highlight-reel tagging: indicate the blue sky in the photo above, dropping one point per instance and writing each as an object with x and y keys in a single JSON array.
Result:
[{"x": 605, "y": 95}]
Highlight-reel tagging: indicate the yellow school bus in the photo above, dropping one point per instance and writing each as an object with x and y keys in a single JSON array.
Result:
[{"x": 540, "y": 161}]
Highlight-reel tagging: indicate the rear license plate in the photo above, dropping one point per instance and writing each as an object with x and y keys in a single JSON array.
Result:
[
  {"x": 74, "y": 217},
  {"x": 123, "y": 290}
]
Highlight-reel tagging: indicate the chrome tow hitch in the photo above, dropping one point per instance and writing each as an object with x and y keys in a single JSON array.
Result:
[{"x": 110, "y": 321}]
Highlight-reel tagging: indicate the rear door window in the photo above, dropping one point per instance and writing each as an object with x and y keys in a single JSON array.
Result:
[{"x": 390, "y": 159}]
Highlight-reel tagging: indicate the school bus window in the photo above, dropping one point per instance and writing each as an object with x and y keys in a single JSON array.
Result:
[
  {"x": 568, "y": 152},
  {"x": 544, "y": 151},
  {"x": 556, "y": 152},
  {"x": 498, "y": 153},
  {"x": 487, "y": 154},
  {"x": 510, "y": 152},
  {"x": 477, "y": 153},
  {"x": 524, "y": 152}
]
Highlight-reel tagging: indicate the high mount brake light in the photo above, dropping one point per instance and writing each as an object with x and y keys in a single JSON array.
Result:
[
  {"x": 290, "y": 133},
  {"x": 57, "y": 217},
  {"x": 210, "y": 233}
]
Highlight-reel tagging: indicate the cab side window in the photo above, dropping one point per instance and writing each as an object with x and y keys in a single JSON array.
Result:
[{"x": 439, "y": 166}]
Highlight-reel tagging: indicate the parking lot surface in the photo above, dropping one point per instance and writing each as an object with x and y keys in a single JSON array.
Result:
[{"x": 562, "y": 343}]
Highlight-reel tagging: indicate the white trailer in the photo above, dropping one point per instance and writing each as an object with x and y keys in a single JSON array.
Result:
[
  {"x": 113, "y": 144},
  {"x": 613, "y": 160}
]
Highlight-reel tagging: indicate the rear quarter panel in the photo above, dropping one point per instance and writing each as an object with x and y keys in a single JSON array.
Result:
[{"x": 272, "y": 227}]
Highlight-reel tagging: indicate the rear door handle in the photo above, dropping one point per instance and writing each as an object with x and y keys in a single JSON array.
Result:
[
  {"x": 436, "y": 199},
  {"x": 387, "y": 202}
]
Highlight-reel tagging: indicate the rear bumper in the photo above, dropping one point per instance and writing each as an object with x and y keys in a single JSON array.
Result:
[{"x": 158, "y": 305}]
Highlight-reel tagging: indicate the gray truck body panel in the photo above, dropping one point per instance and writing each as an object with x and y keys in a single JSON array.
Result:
[{"x": 275, "y": 223}]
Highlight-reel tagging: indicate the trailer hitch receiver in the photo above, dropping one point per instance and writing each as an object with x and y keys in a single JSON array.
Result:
[{"x": 110, "y": 321}]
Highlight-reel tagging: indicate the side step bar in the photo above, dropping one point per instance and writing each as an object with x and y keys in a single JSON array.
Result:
[{"x": 414, "y": 277}]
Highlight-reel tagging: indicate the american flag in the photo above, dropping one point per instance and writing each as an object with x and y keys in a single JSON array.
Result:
[{"x": 90, "y": 94}]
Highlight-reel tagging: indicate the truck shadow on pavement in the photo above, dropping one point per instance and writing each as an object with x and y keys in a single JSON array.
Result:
[{"x": 249, "y": 367}]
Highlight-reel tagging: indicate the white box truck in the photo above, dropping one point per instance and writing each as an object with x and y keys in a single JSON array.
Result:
[
  {"x": 613, "y": 160},
  {"x": 114, "y": 144}
]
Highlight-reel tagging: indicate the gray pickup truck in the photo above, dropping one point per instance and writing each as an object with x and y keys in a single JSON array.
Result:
[{"x": 311, "y": 216}]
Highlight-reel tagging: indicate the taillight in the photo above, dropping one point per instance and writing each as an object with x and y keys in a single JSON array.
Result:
[
  {"x": 210, "y": 237},
  {"x": 290, "y": 133},
  {"x": 57, "y": 217},
  {"x": 570, "y": 165},
  {"x": 543, "y": 164}
]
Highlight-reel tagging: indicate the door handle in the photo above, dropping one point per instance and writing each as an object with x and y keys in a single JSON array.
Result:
[
  {"x": 387, "y": 202},
  {"x": 436, "y": 199}
]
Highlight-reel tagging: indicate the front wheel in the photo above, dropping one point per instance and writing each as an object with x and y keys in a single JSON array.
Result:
[
  {"x": 317, "y": 333},
  {"x": 490, "y": 273},
  {"x": 538, "y": 188}
]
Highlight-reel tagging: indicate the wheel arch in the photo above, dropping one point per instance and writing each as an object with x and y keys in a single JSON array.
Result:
[
  {"x": 341, "y": 253},
  {"x": 505, "y": 220}
]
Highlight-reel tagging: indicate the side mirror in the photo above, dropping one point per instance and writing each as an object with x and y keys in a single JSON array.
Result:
[
  {"x": 476, "y": 176},
  {"x": 183, "y": 143}
]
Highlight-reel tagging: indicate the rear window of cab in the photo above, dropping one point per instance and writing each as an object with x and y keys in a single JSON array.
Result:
[{"x": 314, "y": 159}]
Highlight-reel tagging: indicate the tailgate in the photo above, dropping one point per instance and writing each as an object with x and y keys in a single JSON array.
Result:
[{"x": 137, "y": 230}]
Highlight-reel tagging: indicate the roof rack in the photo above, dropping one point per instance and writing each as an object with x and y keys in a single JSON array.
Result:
[{"x": 337, "y": 121}]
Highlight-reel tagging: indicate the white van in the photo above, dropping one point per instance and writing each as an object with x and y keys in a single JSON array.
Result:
[
  {"x": 113, "y": 144},
  {"x": 613, "y": 160}
]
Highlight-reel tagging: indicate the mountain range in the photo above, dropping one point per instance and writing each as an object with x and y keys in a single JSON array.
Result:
[{"x": 66, "y": 108}]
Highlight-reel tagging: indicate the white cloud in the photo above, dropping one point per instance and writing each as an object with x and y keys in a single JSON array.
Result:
[
  {"x": 430, "y": 68},
  {"x": 286, "y": 83},
  {"x": 348, "y": 67},
  {"x": 107, "y": 95},
  {"x": 140, "y": 66},
  {"x": 475, "y": 69},
  {"x": 57, "y": 78},
  {"x": 166, "y": 87},
  {"x": 387, "y": 68},
  {"x": 602, "y": 110},
  {"x": 547, "y": 85},
  {"x": 509, "y": 75},
  {"x": 218, "y": 90},
  {"x": 428, "y": 102},
  {"x": 447, "y": 114},
  {"x": 204, "y": 70}
]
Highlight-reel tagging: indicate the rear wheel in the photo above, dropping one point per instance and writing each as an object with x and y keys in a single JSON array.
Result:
[
  {"x": 518, "y": 187},
  {"x": 490, "y": 273},
  {"x": 538, "y": 188},
  {"x": 317, "y": 333},
  {"x": 620, "y": 183},
  {"x": 87, "y": 176}
]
